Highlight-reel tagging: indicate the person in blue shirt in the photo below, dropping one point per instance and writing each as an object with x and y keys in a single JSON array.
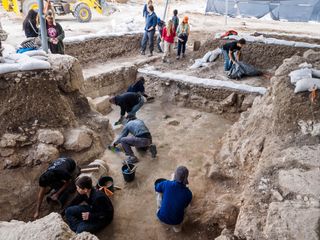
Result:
[
  {"x": 145, "y": 9},
  {"x": 150, "y": 29},
  {"x": 140, "y": 138},
  {"x": 176, "y": 197}
]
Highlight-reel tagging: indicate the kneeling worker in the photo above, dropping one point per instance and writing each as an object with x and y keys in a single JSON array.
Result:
[
  {"x": 91, "y": 210},
  {"x": 140, "y": 138},
  {"x": 174, "y": 198},
  {"x": 229, "y": 50},
  {"x": 129, "y": 102},
  {"x": 57, "y": 181}
]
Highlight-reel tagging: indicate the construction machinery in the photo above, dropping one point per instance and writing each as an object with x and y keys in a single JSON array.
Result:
[{"x": 81, "y": 9}]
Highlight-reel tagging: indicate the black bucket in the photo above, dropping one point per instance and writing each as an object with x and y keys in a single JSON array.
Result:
[
  {"x": 106, "y": 181},
  {"x": 159, "y": 180},
  {"x": 128, "y": 177}
]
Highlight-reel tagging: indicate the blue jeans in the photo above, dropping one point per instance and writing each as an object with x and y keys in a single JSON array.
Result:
[
  {"x": 148, "y": 36},
  {"x": 227, "y": 61},
  {"x": 136, "y": 107},
  {"x": 75, "y": 222}
]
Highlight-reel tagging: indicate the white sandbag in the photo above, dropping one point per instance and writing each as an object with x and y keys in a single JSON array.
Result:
[
  {"x": 34, "y": 64},
  {"x": 8, "y": 67},
  {"x": 197, "y": 64},
  {"x": 206, "y": 57},
  {"x": 305, "y": 65},
  {"x": 43, "y": 58},
  {"x": 215, "y": 54},
  {"x": 306, "y": 84},
  {"x": 8, "y": 49},
  {"x": 315, "y": 73},
  {"x": 35, "y": 53},
  {"x": 302, "y": 73}
]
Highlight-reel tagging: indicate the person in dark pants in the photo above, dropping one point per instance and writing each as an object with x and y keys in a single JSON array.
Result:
[
  {"x": 129, "y": 102},
  {"x": 149, "y": 32},
  {"x": 96, "y": 212},
  {"x": 140, "y": 138},
  {"x": 175, "y": 20},
  {"x": 173, "y": 197},
  {"x": 55, "y": 34},
  {"x": 183, "y": 32},
  {"x": 229, "y": 50},
  {"x": 30, "y": 24},
  {"x": 160, "y": 25},
  {"x": 57, "y": 181}
]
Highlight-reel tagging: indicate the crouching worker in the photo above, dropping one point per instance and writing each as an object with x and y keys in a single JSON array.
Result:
[
  {"x": 95, "y": 211},
  {"x": 229, "y": 50},
  {"x": 140, "y": 138},
  {"x": 138, "y": 87},
  {"x": 173, "y": 197},
  {"x": 129, "y": 102},
  {"x": 57, "y": 182}
]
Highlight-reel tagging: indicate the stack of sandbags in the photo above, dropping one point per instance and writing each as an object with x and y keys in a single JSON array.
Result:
[
  {"x": 208, "y": 57},
  {"x": 305, "y": 78}
]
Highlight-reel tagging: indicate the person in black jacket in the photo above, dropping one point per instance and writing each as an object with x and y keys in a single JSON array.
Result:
[
  {"x": 129, "y": 102},
  {"x": 138, "y": 87},
  {"x": 55, "y": 34},
  {"x": 30, "y": 24},
  {"x": 95, "y": 214},
  {"x": 57, "y": 181}
]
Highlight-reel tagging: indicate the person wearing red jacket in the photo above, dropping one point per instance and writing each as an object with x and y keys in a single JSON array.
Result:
[{"x": 168, "y": 35}]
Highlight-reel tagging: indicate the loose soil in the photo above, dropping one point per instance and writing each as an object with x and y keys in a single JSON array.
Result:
[{"x": 191, "y": 142}]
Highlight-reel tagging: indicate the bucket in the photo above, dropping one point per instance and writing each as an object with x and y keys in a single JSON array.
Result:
[
  {"x": 159, "y": 180},
  {"x": 128, "y": 177},
  {"x": 106, "y": 181}
]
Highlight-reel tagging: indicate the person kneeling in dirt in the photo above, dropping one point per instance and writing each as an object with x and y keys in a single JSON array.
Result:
[
  {"x": 173, "y": 197},
  {"x": 229, "y": 50},
  {"x": 141, "y": 138},
  {"x": 129, "y": 102},
  {"x": 138, "y": 87},
  {"x": 91, "y": 210},
  {"x": 58, "y": 182}
]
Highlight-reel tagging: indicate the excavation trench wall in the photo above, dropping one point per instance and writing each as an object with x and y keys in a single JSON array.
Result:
[
  {"x": 102, "y": 48},
  {"x": 260, "y": 55}
]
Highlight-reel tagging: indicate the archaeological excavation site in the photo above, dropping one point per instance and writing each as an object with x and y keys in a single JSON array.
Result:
[{"x": 250, "y": 143}]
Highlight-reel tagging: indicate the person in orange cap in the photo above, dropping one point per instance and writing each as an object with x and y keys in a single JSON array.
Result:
[{"x": 183, "y": 32}]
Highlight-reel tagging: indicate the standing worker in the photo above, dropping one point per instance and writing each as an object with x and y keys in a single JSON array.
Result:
[
  {"x": 229, "y": 50},
  {"x": 141, "y": 138},
  {"x": 55, "y": 34},
  {"x": 168, "y": 38},
  {"x": 30, "y": 24},
  {"x": 173, "y": 197},
  {"x": 175, "y": 20},
  {"x": 149, "y": 31},
  {"x": 57, "y": 181},
  {"x": 145, "y": 9},
  {"x": 183, "y": 33},
  {"x": 129, "y": 102}
]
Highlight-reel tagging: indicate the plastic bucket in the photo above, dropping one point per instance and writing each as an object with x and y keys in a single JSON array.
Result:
[
  {"x": 159, "y": 180},
  {"x": 128, "y": 176},
  {"x": 106, "y": 181}
]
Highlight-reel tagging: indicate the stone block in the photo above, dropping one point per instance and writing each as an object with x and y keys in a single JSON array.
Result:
[
  {"x": 48, "y": 136},
  {"x": 77, "y": 139},
  {"x": 45, "y": 153},
  {"x": 102, "y": 104}
]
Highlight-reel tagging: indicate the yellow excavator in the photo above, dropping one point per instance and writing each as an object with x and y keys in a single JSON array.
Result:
[{"x": 81, "y": 9}]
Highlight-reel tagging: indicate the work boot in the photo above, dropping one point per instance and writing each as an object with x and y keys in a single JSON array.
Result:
[
  {"x": 143, "y": 53},
  {"x": 153, "y": 150}
]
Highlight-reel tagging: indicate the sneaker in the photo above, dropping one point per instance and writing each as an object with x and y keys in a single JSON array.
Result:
[
  {"x": 132, "y": 160},
  {"x": 178, "y": 57},
  {"x": 150, "y": 54},
  {"x": 143, "y": 53},
  {"x": 177, "y": 228},
  {"x": 183, "y": 55},
  {"x": 153, "y": 150}
]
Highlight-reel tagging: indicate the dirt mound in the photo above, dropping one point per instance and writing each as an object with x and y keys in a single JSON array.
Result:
[{"x": 263, "y": 168}]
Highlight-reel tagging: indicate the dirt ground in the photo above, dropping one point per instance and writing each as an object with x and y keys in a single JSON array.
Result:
[{"x": 191, "y": 143}]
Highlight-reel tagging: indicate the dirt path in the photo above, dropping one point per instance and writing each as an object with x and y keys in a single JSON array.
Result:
[{"x": 190, "y": 143}]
